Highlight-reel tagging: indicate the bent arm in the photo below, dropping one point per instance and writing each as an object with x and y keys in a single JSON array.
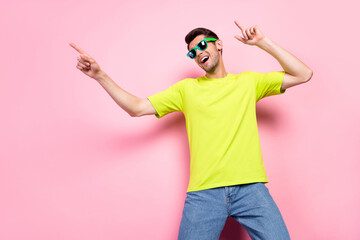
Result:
[
  {"x": 133, "y": 105},
  {"x": 296, "y": 72}
]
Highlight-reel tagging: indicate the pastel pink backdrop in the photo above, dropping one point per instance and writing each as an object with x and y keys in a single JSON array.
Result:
[{"x": 74, "y": 165}]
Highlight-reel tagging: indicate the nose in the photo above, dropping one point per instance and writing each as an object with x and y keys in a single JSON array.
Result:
[{"x": 200, "y": 53}]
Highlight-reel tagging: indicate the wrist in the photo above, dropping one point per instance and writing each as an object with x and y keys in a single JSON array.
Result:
[
  {"x": 264, "y": 43},
  {"x": 100, "y": 76}
]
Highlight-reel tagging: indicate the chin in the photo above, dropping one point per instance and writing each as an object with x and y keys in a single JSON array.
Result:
[{"x": 210, "y": 68}]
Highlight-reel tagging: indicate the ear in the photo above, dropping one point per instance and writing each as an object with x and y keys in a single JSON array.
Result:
[{"x": 219, "y": 45}]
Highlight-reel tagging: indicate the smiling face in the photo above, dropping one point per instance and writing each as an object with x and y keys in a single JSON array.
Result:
[{"x": 208, "y": 59}]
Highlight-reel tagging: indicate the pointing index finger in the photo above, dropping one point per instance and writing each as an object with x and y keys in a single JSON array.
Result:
[
  {"x": 77, "y": 48},
  {"x": 237, "y": 24},
  {"x": 242, "y": 30}
]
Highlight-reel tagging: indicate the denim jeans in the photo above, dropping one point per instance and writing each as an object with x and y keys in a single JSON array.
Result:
[{"x": 205, "y": 213}]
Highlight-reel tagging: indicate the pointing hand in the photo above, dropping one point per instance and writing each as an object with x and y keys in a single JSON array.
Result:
[
  {"x": 252, "y": 35},
  {"x": 86, "y": 64}
]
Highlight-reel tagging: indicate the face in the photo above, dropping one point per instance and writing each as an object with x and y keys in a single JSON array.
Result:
[{"x": 212, "y": 52}]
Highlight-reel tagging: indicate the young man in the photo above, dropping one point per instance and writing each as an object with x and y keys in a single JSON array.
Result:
[{"x": 227, "y": 173}]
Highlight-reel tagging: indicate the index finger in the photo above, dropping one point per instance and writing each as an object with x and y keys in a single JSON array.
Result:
[
  {"x": 242, "y": 30},
  {"x": 237, "y": 24},
  {"x": 77, "y": 48}
]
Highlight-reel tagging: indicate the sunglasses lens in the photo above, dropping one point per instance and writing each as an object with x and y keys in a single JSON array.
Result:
[
  {"x": 192, "y": 54},
  {"x": 202, "y": 45}
]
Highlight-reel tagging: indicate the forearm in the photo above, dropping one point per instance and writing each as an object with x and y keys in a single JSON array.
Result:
[
  {"x": 125, "y": 100},
  {"x": 289, "y": 62}
]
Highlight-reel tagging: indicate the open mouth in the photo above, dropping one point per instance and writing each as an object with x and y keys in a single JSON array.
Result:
[{"x": 204, "y": 59}]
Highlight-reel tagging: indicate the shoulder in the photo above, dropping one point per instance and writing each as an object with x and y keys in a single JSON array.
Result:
[
  {"x": 186, "y": 82},
  {"x": 245, "y": 74},
  {"x": 249, "y": 73},
  {"x": 180, "y": 83}
]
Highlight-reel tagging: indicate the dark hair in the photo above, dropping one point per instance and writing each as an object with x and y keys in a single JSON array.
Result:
[{"x": 199, "y": 31}]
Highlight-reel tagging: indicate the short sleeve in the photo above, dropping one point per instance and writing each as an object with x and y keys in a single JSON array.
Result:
[
  {"x": 268, "y": 84},
  {"x": 169, "y": 100}
]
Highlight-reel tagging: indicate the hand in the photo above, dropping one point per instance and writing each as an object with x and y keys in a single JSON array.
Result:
[
  {"x": 252, "y": 35},
  {"x": 86, "y": 64}
]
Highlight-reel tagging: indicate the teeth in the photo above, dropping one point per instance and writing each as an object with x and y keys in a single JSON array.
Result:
[{"x": 204, "y": 59}]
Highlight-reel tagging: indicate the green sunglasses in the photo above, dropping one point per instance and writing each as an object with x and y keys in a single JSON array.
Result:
[{"x": 202, "y": 45}]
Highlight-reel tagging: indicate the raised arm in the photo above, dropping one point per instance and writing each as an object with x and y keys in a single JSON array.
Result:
[
  {"x": 133, "y": 105},
  {"x": 296, "y": 72}
]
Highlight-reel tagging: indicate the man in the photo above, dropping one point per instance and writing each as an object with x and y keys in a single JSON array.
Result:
[{"x": 227, "y": 173}]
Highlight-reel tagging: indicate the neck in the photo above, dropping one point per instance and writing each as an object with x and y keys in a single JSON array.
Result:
[{"x": 218, "y": 71}]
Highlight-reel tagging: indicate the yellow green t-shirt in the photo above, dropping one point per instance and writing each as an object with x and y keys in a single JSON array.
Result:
[{"x": 221, "y": 125}]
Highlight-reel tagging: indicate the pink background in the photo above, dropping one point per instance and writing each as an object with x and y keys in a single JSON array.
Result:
[{"x": 74, "y": 165}]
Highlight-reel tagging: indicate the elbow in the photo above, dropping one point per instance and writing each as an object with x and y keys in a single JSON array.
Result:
[
  {"x": 134, "y": 114},
  {"x": 136, "y": 110},
  {"x": 308, "y": 76}
]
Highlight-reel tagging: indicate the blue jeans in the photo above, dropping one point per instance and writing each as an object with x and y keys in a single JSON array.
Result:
[{"x": 205, "y": 213}]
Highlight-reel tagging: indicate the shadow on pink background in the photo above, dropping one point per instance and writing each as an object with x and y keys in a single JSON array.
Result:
[{"x": 74, "y": 165}]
